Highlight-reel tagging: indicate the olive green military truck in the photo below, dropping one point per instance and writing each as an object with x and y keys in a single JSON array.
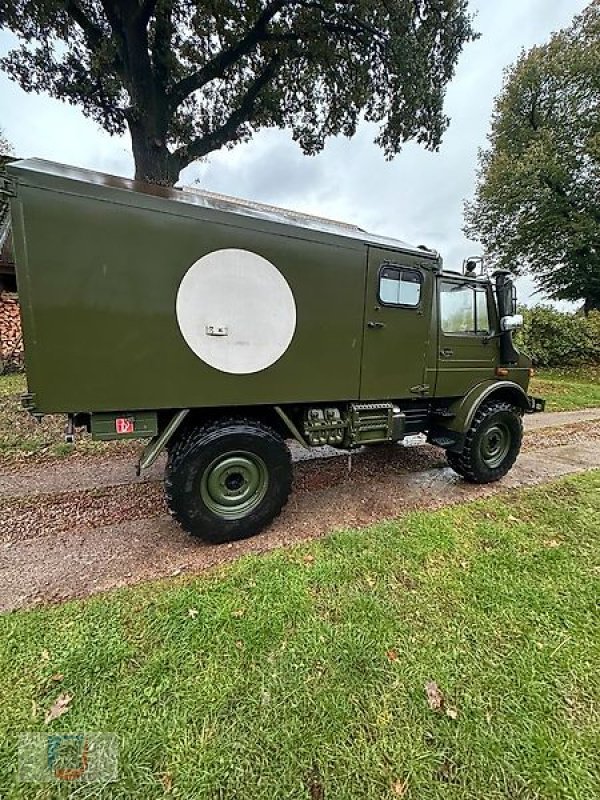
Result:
[{"x": 219, "y": 329}]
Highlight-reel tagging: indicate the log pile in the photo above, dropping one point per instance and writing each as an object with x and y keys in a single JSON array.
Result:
[{"x": 11, "y": 339}]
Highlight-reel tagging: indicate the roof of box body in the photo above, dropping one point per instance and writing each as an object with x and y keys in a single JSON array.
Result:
[{"x": 212, "y": 201}]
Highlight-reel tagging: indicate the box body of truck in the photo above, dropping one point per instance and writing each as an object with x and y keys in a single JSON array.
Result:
[{"x": 100, "y": 262}]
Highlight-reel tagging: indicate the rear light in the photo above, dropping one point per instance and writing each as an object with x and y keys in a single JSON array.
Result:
[{"x": 501, "y": 372}]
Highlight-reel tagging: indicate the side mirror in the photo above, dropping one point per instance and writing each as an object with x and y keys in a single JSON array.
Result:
[{"x": 512, "y": 323}]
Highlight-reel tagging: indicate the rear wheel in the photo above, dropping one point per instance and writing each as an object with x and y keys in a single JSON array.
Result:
[
  {"x": 492, "y": 443},
  {"x": 228, "y": 479}
]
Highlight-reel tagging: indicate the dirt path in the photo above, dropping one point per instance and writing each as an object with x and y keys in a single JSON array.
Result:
[
  {"x": 74, "y": 528},
  {"x": 554, "y": 419}
]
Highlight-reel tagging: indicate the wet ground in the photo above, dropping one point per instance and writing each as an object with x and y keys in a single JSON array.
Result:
[{"x": 73, "y": 528}]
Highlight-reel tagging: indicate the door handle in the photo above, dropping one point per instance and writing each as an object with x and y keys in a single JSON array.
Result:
[
  {"x": 447, "y": 352},
  {"x": 371, "y": 324}
]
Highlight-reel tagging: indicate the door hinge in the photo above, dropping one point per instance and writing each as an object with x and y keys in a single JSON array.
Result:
[
  {"x": 422, "y": 388},
  {"x": 8, "y": 186}
]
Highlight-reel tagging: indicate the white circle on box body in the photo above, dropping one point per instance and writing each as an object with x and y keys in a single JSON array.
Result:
[{"x": 236, "y": 311}]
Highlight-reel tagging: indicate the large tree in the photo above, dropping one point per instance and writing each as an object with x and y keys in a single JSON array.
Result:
[
  {"x": 190, "y": 76},
  {"x": 537, "y": 203}
]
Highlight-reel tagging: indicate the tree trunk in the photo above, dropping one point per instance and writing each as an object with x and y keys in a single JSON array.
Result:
[
  {"x": 591, "y": 304},
  {"x": 154, "y": 163}
]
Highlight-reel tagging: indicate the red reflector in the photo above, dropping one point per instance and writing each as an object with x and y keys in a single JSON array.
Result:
[{"x": 124, "y": 425}]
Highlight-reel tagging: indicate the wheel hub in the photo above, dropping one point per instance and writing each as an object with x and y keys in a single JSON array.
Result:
[
  {"x": 495, "y": 445},
  {"x": 234, "y": 484}
]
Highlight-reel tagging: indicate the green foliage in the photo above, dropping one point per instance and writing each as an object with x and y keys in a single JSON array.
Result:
[
  {"x": 190, "y": 76},
  {"x": 556, "y": 339},
  {"x": 301, "y": 674},
  {"x": 537, "y": 203}
]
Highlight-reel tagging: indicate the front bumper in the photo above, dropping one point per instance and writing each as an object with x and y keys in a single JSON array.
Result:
[{"x": 535, "y": 404}]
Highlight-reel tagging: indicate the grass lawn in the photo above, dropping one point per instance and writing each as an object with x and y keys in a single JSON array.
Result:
[
  {"x": 568, "y": 389},
  {"x": 301, "y": 674}
]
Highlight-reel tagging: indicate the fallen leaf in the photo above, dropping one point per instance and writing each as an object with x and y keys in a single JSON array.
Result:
[
  {"x": 552, "y": 543},
  {"x": 239, "y": 612},
  {"x": 447, "y": 772},
  {"x": 308, "y": 558},
  {"x": 451, "y": 712},
  {"x": 57, "y": 677},
  {"x": 399, "y": 788},
  {"x": 58, "y": 708},
  {"x": 34, "y": 709},
  {"x": 45, "y": 655},
  {"x": 192, "y": 612},
  {"x": 435, "y": 698},
  {"x": 513, "y": 519},
  {"x": 392, "y": 655},
  {"x": 167, "y": 781}
]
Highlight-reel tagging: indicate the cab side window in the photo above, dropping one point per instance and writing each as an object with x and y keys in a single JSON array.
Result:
[
  {"x": 399, "y": 286},
  {"x": 463, "y": 308}
]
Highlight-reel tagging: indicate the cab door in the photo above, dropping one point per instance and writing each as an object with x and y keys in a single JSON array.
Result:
[
  {"x": 397, "y": 303},
  {"x": 467, "y": 354}
]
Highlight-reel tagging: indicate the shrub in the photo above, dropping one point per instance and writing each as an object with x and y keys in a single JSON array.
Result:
[{"x": 556, "y": 339}]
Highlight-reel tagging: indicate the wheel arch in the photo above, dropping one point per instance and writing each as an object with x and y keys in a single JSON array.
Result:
[
  {"x": 466, "y": 408},
  {"x": 176, "y": 424}
]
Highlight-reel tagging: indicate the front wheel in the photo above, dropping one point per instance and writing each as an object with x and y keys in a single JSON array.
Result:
[
  {"x": 227, "y": 479},
  {"x": 492, "y": 443}
]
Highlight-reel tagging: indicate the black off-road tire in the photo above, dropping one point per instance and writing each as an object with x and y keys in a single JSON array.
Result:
[
  {"x": 226, "y": 457},
  {"x": 481, "y": 460},
  {"x": 454, "y": 461}
]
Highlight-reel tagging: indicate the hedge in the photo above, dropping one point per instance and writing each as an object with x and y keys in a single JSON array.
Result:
[{"x": 558, "y": 339}]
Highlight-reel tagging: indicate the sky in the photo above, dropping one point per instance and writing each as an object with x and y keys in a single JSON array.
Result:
[{"x": 417, "y": 197}]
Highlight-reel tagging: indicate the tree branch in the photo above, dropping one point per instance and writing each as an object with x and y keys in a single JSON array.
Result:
[
  {"x": 93, "y": 33},
  {"x": 202, "y": 145},
  {"x": 163, "y": 34},
  {"x": 215, "y": 68},
  {"x": 146, "y": 11}
]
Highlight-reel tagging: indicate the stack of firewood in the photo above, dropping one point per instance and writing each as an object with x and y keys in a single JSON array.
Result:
[{"x": 11, "y": 338}]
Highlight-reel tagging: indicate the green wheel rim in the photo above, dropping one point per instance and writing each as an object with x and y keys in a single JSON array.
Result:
[
  {"x": 495, "y": 444},
  {"x": 234, "y": 484}
]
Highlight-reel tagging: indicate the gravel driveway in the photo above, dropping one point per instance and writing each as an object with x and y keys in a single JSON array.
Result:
[{"x": 83, "y": 525}]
